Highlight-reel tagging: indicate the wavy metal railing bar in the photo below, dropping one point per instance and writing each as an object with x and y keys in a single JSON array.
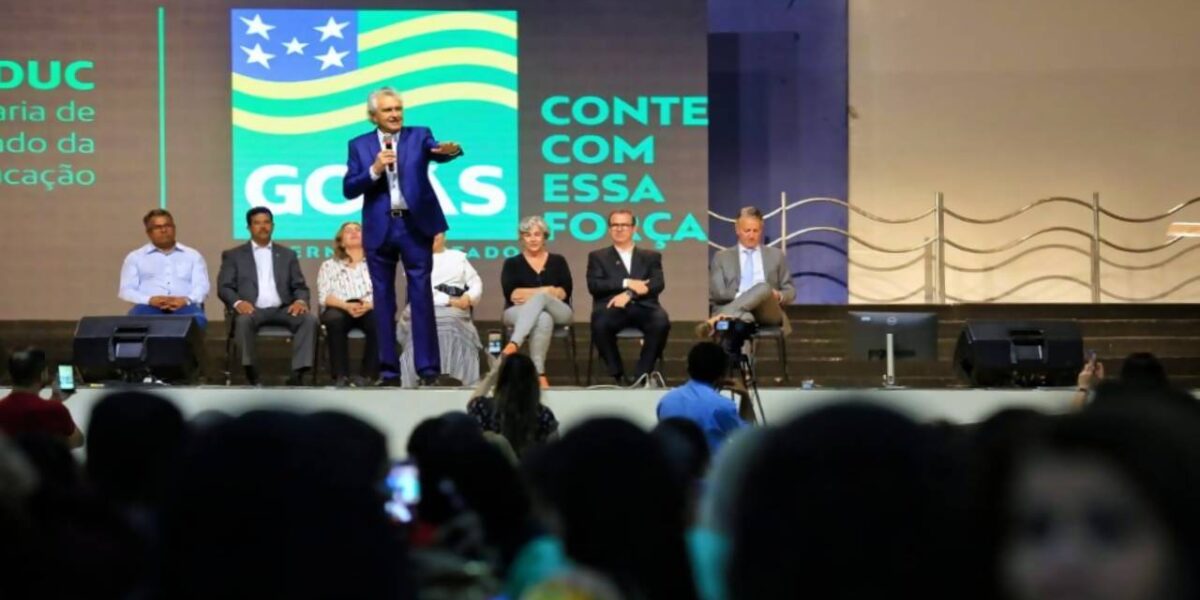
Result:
[
  {"x": 888, "y": 300},
  {"x": 1154, "y": 297},
  {"x": 1017, "y": 256},
  {"x": 1159, "y": 217},
  {"x": 936, "y": 246},
  {"x": 843, "y": 203},
  {"x": 838, "y": 230},
  {"x": 720, "y": 217},
  {"x": 1022, "y": 285},
  {"x": 781, "y": 241},
  {"x": 1151, "y": 265},
  {"x": 878, "y": 268},
  {"x": 1020, "y": 211},
  {"x": 798, "y": 203},
  {"x": 1145, "y": 250},
  {"x": 1017, "y": 242}
]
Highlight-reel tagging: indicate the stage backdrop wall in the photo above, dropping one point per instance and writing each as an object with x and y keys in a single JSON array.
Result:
[
  {"x": 565, "y": 109},
  {"x": 997, "y": 104},
  {"x": 777, "y": 83}
]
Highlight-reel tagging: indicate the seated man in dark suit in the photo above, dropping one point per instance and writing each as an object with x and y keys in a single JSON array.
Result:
[
  {"x": 263, "y": 285},
  {"x": 625, "y": 282}
]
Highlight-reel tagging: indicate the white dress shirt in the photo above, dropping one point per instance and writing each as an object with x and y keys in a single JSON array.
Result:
[
  {"x": 451, "y": 267},
  {"x": 148, "y": 272},
  {"x": 393, "y": 175},
  {"x": 627, "y": 258},
  {"x": 759, "y": 273},
  {"x": 264, "y": 263}
]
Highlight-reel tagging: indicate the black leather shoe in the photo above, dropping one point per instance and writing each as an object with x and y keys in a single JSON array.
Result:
[
  {"x": 252, "y": 376},
  {"x": 296, "y": 378},
  {"x": 387, "y": 382}
]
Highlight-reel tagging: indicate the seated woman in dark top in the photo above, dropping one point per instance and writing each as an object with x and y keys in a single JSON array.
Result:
[
  {"x": 537, "y": 294},
  {"x": 514, "y": 407}
]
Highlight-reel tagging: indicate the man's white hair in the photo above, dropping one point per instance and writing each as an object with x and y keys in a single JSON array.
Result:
[{"x": 373, "y": 98}]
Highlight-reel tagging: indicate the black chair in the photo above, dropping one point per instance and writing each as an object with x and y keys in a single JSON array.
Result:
[
  {"x": 628, "y": 333},
  {"x": 774, "y": 332},
  {"x": 265, "y": 331}
]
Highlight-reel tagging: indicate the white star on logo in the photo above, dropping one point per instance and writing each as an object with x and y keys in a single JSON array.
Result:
[
  {"x": 331, "y": 29},
  {"x": 256, "y": 55},
  {"x": 332, "y": 58},
  {"x": 257, "y": 27},
  {"x": 294, "y": 46}
]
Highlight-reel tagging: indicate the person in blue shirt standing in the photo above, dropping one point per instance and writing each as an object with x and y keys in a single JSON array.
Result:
[
  {"x": 164, "y": 277},
  {"x": 698, "y": 400}
]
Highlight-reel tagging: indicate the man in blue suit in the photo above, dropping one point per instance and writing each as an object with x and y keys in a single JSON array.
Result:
[{"x": 389, "y": 168}]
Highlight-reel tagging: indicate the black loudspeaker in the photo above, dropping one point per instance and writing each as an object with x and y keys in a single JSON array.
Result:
[
  {"x": 167, "y": 347},
  {"x": 1023, "y": 353}
]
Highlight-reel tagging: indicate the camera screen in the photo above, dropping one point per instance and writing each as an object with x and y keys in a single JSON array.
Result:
[{"x": 723, "y": 325}]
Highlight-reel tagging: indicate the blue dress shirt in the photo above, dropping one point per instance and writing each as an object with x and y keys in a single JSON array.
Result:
[
  {"x": 149, "y": 272},
  {"x": 698, "y": 402}
]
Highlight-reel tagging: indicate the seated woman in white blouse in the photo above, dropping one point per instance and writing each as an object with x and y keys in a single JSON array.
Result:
[
  {"x": 456, "y": 288},
  {"x": 344, "y": 292}
]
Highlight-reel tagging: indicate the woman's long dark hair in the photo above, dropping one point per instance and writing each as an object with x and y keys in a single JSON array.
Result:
[{"x": 518, "y": 398}]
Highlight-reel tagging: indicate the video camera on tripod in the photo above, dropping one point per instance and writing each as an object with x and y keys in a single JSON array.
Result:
[{"x": 732, "y": 335}]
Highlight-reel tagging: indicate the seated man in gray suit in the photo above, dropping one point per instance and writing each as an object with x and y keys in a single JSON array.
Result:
[
  {"x": 263, "y": 285},
  {"x": 749, "y": 281}
]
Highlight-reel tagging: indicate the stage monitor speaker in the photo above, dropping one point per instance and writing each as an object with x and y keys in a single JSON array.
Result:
[
  {"x": 166, "y": 347},
  {"x": 1023, "y": 353}
]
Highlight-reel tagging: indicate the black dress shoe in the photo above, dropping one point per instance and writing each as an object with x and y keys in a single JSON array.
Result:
[
  {"x": 387, "y": 382},
  {"x": 252, "y": 376},
  {"x": 296, "y": 378}
]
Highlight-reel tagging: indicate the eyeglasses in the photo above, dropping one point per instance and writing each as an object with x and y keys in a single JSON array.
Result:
[
  {"x": 163, "y": 227},
  {"x": 620, "y": 225}
]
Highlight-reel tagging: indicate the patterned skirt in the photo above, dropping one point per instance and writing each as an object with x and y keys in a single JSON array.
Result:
[{"x": 458, "y": 344}]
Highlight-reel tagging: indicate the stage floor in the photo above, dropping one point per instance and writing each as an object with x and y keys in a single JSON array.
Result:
[{"x": 396, "y": 412}]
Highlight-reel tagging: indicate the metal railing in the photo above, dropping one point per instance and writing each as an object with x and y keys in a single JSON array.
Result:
[{"x": 934, "y": 249}]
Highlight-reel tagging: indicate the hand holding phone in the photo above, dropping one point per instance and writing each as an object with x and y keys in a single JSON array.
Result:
[{"x": 404, "y": 488}]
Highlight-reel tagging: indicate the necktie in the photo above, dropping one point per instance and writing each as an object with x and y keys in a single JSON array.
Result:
[{"x": 747, "y": 270}]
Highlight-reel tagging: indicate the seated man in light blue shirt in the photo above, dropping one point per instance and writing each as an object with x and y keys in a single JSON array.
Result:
[
  {"x": 698, "y": 400},
  {"x": 164, "y": 277}
]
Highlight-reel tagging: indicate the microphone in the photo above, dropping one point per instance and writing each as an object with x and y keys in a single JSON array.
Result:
[{"x": 387, "y": 143}]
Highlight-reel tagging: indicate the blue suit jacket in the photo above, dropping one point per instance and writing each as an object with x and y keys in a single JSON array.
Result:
[{"x": 413, "y": 152}]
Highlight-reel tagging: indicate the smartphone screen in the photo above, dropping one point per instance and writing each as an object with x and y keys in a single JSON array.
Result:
[
  {"x": 494, "y": 343},
  {"x": 66, "y": 378},
  {"x": 723, "y": 325},
  {"x": 404, "y": 488}
]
